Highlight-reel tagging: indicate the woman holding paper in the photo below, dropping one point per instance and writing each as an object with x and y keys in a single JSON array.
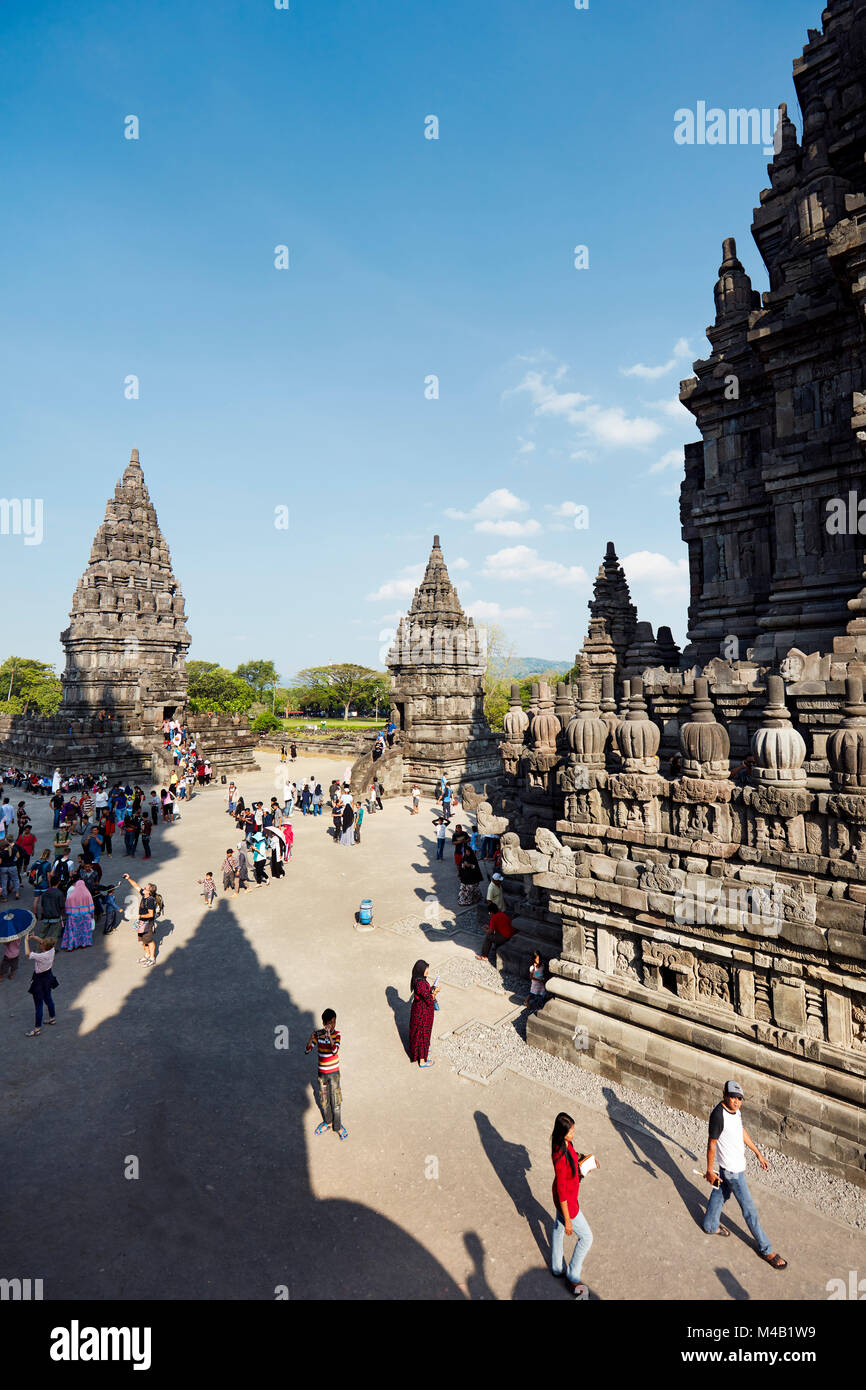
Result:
[{"x": 570, "y": 1220}]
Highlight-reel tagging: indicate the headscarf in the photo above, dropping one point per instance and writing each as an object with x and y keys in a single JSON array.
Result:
[
  {"x": 79, "y": 895},
  {"x": 348, "y": 817},
  {"x": 417, "y": 973}
]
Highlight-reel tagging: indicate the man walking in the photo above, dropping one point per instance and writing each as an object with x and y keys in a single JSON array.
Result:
[
  {"x": 327, "y": 1042},
  {"x": 728, "y": 1141}
]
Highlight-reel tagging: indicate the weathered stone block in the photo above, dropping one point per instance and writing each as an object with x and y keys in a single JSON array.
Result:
[{"x": 846, "y": 944}]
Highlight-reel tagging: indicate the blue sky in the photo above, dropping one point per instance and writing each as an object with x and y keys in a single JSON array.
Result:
[{"x": 304, "y": 388}]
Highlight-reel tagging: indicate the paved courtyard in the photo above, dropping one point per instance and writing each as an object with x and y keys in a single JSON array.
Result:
[{"x": 442, "y": 1189}]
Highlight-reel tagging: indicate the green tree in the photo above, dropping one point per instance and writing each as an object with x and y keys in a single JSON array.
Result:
[
  {"x": 26, "y": 684},
  {"x": 496, "y": 680},
  {"x": 266, "y": 723},
  {"x": 196, "y": 669},
  {"x": 259, "y": 676},
  {"x": 343, "y": 682},
  {"x": 218, "y": 690}
]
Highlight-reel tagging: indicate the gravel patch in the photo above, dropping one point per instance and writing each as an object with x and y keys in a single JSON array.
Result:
[
  {"x": 421, "y": 928},
  {"x": 466, "y": 972},
  {"x": 479, "y": 1049}
]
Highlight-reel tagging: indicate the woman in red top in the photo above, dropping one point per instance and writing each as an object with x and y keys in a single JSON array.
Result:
[
  {"x": 25, "y": 845},
  {"x": 569, "y": 1218}
]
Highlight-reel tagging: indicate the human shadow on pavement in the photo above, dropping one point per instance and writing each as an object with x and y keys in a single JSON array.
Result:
[
  {"x": 511, "y": 1163},
  {"x": 201, "y": 1075},
  {"x": 732, "y": 1285},
  {"x": 632, "y": 1128},
  {"x": 476, "y": 1282},
  {"x": 538, "y": 1285},
  {"x": 400, "y": 1008}
]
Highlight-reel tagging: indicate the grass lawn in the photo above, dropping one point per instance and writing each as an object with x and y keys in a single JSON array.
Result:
[{"x": 301, "y": 726}]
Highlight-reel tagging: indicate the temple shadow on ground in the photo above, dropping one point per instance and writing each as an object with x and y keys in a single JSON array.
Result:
[{"x": 186, "y": 1078}]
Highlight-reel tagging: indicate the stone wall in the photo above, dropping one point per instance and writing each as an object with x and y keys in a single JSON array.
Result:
[{"x": 704, "y": 927}]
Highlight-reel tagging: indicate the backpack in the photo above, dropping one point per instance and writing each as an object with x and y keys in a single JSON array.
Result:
[{"x": 160, "y": 906}]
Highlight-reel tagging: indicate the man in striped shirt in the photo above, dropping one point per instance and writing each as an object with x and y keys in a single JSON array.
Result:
[{"x": 326, "y": 1040}]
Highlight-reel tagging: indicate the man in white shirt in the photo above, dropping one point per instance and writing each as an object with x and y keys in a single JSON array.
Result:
[
  {"x": 728, "y": 1141},
  {"x": 496, "y": 893},
  {"x": 441, "y": 832}
]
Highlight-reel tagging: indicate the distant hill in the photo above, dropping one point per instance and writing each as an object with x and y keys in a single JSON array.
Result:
[{"x": 523, "y": 666}]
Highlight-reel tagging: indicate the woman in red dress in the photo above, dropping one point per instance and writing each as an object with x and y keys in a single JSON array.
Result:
[{"x": 421, "y": 1017}]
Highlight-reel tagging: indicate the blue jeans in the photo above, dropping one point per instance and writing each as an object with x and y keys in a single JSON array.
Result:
[
  {"x": 56, "y": 820},
  {"x": 38, "y": 1005},
  {"x": 440, "y": 848},
  {"x": 487, "y": 845},
  {"x": 580, "y": 1226},
  {"x": 316, "y": 808},
  {"x": 735, "y": 1184}
]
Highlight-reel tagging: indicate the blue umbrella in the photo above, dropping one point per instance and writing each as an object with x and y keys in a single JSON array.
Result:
[{"x": 17, "y": 922}]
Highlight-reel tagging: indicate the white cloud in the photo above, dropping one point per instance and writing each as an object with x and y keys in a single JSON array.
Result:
[
  {"x": 458, "y": 564},
  {"x": 403, "y": 586},
  {"x": 672, "y": 459},
  {"x": 663, "y": 577},
  {"x": 612, "y": 426},
  {"x": 681, "y": 350},
  {"x": 608, "y": 425},
  {"x": 484, "y": 612},
  {"x": 674, "y": 409},
  {"x": 499, "y": 503},
  {"x": 508, "y": 528},
  {"x": 526, "y": 445},
  {"x": 564, "y": 508},
  {"x": 522, "y": 562}
]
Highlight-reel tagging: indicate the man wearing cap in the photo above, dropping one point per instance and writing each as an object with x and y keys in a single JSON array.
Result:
[
  {"x": 728, "y": 1141},
  {"x": 496, "y": 893}
]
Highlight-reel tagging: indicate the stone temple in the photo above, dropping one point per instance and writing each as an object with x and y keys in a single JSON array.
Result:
[
  {"x": 437, "y": 665},
  {"x": 125, "y": 671},
  {"x": 701, "y": 925}
]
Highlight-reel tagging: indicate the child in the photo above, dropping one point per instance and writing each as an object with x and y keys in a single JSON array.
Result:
[
  {"x": 9, "y": 963},
  {"x": 146, "y": 831},
  {"x": 154, "y": 807},
  {"x": 208, "y": 889},
  {"x": 326, "y": 1040},
  {"x": 536, "y": 987}
]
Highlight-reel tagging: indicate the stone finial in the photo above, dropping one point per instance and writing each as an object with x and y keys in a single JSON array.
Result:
[
  {"x": 623, "y": 704},
  {"x": 533, "y": 700},
  {"x": 545, "y": 725},
  {"x": 564, "y": 706},
  {"x": 846, "y": 746},
  {"x": 734, "y": 295},
  {"x": 637, "y": 736},
  {"x": 668, "y": 649},
  {"x": 516, "y": 720},
  {"x": 778, "y": 747},
  {"x": 608, "y": 703},
  {"x": 587, "y": 733},
  {"x": 704, "y": 742}
]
